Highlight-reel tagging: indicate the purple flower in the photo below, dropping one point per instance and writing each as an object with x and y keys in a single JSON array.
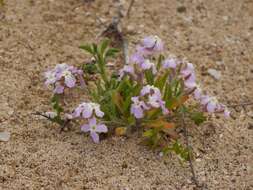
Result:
[
  {"x": 188, "y": 75},
  {"x": 70, "y": 80},
  {"x": 59, "y": 68},
  {"x": 62, "y": 75},
  {"x": 58, "y": 88},
  {"x": 151, "y": 99},
  {"x": 146, "y": 65},
  {"x": 170, "y": 63},
  {"x": 197, "y": 94},
  {"x": 50, "y": 77},
  {"x": 138, "y": 107},
  {"x": 226, "y": 113},
  {"x": 211, "y": 105},
  {"x": 149, "y": 89},
  {"x": 137, "y": 58},
  {"x": 154, "y": 100},
  {"x": 66, "y": 72},
  {"x": 127, "y": 69},
  {"x": 190, "y": 81},
  {"x": 87, "y": 110},
  {"x": 187, "y": 70},
  {"x": 152, "y": 44},
  {"x": 94, "y": 129}
]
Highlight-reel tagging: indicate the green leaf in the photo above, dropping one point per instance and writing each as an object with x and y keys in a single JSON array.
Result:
[
  {"x": 182, "y": 152},
  {"x": 149, "y": 76},
  {"x": 198, "y": 117},
  {"x": 149, "y": 133},
  {"x": 161, "y": 81},
  {"x": 103, "y": 46},
  {"x": 94, "y": 48},
  {"x": 167, "y": 92},
  {"x": 90, "y": 68},
  {"x": 159, "y": 62},
  {"x": 87, "y": 48},
  {"x": 111, "y": 52}
]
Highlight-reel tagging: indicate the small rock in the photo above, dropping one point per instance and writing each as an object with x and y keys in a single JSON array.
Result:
[
  {"x": 250, "y": 126},
  {"x": 5, "y": 136},
  {"x": 198, "y": 160},
  {"x": 220, "y": 62},
  {"x": 250, "y": 114},
  {"x": 131, "y": 29},
  {"x": 181, "y": 9},
  {"x": 214, "y": 73}
]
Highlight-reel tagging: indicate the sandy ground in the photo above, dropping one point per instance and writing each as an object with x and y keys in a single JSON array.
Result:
[{"x": 37, "y": 34}]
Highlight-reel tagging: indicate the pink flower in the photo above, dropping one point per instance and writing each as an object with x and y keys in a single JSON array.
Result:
[
  {"x": 59, "y": 89},
  {"x": 127, "y": 69},
  {"x": 94, "y": 129},
  {"x": 211, "y": 105},
  {"x": 152, "y": 98},
  {"x": 188, "y": 74},
  {"x": 62, "y": 75},
  {"x": 50, "y": 77},
  {"x": 190, "y": 81},
  {"x": 152, "y": 44},
  {"x": 197, "y": 93},
  {"x": 170, "y": 63},
  {"x": 138, "y": 107},
  {"x": 88, "y": 110},
  {"x": 146, "y": 65},
  {"x": 137, "y": 58},
  {"x": 149, "y": 89}
]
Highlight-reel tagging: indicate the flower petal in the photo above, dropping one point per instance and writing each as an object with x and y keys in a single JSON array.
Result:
[
  {"x": 226, "y": 113},
  {"x": 85, "y": 128},
  {"x": 87, "y": 112},
  {"x": 211, "y": 106},
  {"x": 93, "y": 121},
  {"x": 70, "y": 81},
  {"x": 95, "y": 137},
  {"x": 59, "y": 89},
  {"x": 169, "y": 63},
  {"x": 98, "y": 112},
  {"x": 137, "y": 111},
  {"x": 101, "y": 128}
]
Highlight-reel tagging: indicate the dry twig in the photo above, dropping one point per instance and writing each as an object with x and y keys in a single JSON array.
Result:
[
  {"x": 240, "y": 104},
  {"x": 130, "y": 8},
  {"x": 65, "y": 123},
  {"x": 185, "y": 132},
  {"x": 113, "y": 29}
]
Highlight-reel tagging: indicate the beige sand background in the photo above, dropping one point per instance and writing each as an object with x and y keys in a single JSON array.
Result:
[{"x": 37, "y": 34}]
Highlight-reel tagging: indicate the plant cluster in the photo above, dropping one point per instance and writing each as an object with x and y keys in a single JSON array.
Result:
[{"x": 149, "y": 94}]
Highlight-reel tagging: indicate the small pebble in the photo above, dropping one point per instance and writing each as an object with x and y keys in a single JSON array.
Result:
[
  {"x": 181, "y": 9},
  {"x": 250, "y": 114},
  {"x": 214, "y": 73},
  {"x": 5, "y": 136},
  {"x": 250, "y": 126}
]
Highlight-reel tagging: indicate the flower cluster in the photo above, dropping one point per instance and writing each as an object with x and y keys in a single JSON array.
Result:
[
  {"x": 150, "y": 98},
  {"x": 187, "y": 73},
  {"x": 63, "y": 76},
  {"x": 139, "y": 60},
  {"x": 91, "y": 111},
  {"x": 151, "y": 90}
]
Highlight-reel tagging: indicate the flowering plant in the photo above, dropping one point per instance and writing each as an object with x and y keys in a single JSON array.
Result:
[{"x": 151, "y": 92}]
